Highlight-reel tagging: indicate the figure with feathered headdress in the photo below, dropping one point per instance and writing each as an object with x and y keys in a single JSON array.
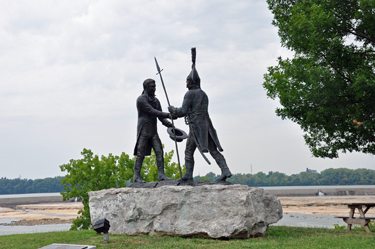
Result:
[{"x": 202, "y": 134}]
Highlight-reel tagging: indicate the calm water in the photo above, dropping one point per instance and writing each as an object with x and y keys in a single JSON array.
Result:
[
  {"x": 265, "y": 188},
  {"x": 320, "y": 187},
  {"x": 29, "y": 195},
  {"x": 7, "y": 230},
  {"x": 309, "y": 220}
]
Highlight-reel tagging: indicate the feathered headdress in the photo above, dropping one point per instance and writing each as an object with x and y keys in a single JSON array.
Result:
[{"x": 194, "y": 76}]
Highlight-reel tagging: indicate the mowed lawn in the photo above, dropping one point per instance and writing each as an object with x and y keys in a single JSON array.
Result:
[{"x": 276, "y": 237}]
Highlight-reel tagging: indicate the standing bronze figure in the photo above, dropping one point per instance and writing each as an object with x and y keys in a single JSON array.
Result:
[
  {"x": 149, "y": 109},
  {"x": 202, "y": 134}
]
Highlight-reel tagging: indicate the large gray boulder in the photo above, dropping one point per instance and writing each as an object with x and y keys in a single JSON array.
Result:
[{"x": 216, "y": 211}]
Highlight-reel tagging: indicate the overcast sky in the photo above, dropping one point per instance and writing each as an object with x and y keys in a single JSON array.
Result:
[{"x": 70, "y": 73}]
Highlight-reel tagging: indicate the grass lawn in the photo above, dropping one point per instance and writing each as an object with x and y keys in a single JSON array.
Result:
[{"x": 276, "y": 237}]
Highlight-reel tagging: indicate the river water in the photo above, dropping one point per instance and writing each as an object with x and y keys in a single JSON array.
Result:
[
  {"x": 7, "y": 230},
  {"x": 309, "y": 220},
  {"x": 265, "y": 188},
  {"x": 29, "y": 195}
]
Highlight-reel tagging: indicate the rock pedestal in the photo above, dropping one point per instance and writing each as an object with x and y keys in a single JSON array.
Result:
[{"x": 216, "y": 211}]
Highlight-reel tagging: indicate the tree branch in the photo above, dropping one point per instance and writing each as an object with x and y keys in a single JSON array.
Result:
[
  {"x": 365, "y": 53},
  {"x": 331, "y": 64},
  {"x": 356, "y": 32}
]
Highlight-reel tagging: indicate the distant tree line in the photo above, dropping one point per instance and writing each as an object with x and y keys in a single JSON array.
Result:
[
  {"x": 25, "y": 186},
  {"x": 341, "y": 176}
]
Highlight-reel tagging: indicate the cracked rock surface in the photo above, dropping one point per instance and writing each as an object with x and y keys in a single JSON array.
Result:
[{"x": 216, "y": 211}]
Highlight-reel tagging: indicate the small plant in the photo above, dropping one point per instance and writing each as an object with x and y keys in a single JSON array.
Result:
[
  {"x": 204, "y": 179},
  {"x": 338, "y": 227}
]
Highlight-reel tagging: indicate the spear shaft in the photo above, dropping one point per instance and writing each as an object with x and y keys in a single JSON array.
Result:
[{"x": 174, "y": 131}]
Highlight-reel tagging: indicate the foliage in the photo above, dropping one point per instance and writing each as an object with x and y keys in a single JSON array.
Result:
[
  {"x": 24, "y": 186},
  {"x": 338, "y": 227},
  {"x": 328, "y": 88},
  {"x": 355, "y": 227},
  {"x": 149, "y": 171},
  {"x": 93, "y": 173},
  {"x": 276, "y": 237},
  {"x": 203, "y": 179},
  {"x": 211, "y": 176},
  {"x": 341, "y": 176}
]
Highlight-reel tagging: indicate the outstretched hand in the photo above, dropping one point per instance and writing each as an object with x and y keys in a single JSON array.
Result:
[
  {"x": 171, "y": 116},
  {"x": 171, "y": 109}
]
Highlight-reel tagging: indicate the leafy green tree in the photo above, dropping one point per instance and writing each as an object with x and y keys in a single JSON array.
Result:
[
  {"x": 308, "y": 178},
  {"x": 211, "y": 176},
  {"x": 260, "y": 179},
  {"x": 328, "y": 88},
  {"x": 278, "y": 179},
  {"x": 203, "y": 179},
  {"x": 93, "y": 173}
]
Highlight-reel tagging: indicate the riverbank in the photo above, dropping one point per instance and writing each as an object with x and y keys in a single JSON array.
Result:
[
  {"x": 12, "y": 200},
  {"x": 332, "y": 205},
  {"x": 40, "y": 214},
  {"x": 66, "y": 212}
]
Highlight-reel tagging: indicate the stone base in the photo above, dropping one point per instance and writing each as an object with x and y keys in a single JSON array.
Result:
[{"x": 216, "y": 211}]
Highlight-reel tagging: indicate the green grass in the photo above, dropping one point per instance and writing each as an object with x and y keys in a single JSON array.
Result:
[{"x": 276, "y": 237}]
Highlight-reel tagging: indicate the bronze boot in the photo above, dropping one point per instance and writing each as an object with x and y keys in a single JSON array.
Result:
[
  {"x": 188, "y": 176},
  {"x": 137, "y": 171},
  {"x": 161, "y": 175},
  {"x": 225, "y": 172}
]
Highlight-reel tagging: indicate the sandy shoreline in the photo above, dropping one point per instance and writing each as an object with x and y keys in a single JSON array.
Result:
[
  {"x": 322, "y": 205},
  {"x": 66, "y": 212},
  {"x": 40, "y": 214}
]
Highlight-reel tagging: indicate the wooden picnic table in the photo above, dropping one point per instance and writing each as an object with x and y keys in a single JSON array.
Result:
[{"x": 362, "y": 219}]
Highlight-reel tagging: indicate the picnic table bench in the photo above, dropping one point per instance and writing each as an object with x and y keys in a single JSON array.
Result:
[{"x": 362, "y": 219}]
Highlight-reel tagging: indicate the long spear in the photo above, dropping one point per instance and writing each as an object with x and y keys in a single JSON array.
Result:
[{"x": 174, "y": 131}]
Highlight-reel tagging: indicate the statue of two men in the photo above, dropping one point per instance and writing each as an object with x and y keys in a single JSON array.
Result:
[{"x": 202, "y": 134}]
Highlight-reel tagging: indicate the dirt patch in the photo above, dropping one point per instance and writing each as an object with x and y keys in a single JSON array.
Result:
[
  {"x": 33, "y": 222},
  {"x": 322, "y": 205},
  {"x": 41, "y": 214},
  {"x": 6, "y": 210},
  {"x": 55, "y": 206}
]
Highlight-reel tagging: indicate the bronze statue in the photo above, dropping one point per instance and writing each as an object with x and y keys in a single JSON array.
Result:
[
  {"x": 202, "y": 134},
  {"x": 149, "y": 109}
]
